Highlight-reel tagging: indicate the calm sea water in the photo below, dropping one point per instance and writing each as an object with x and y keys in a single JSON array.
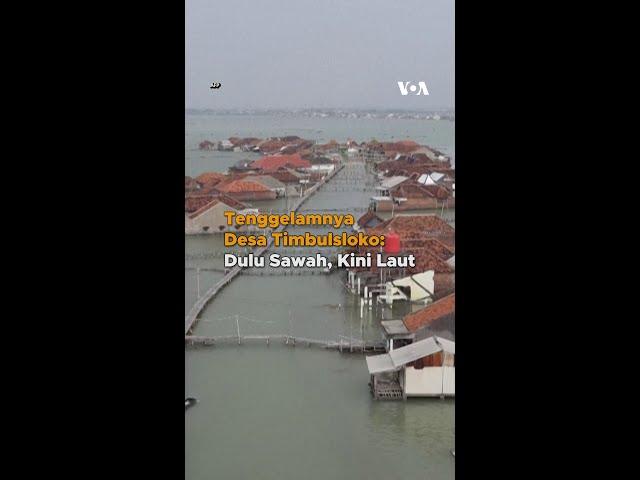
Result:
[{"x": 279, "y": 412}]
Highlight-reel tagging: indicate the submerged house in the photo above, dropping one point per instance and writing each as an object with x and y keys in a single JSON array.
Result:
[
  {"x": 209, "y": 218},
  {"x": 242, "y": 166},
  {"x": 388, "y": 183},
  {"x": 415, "y": 166},
  {"x": 207, "y": 145},
  {"x": 246, "y": 188},
  {"x": 287, "y": 176},
  {"x": 415, "y": 229},
  {"x": 412, "y": 195},
  {"x": 275, "y": 162},
  {"x": 425, "y": 368},
  {"x": 190, "y": 185},
  {"x": 434, "y": 321},
  {"x": 368, "y": 220},
  {"x": 437, "y": 318},
  {"x": 270, "y": 182},
  {"x": 225, "y": 146},
  {"x": 207, "y": 180},
  {"x": 431, "y": 240},
  {"x": 292, "y": 179}
]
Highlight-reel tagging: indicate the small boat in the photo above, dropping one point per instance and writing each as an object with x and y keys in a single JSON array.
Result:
[
  {"x": 189, "y": 402},
  {"x": 453, "y": 452}
]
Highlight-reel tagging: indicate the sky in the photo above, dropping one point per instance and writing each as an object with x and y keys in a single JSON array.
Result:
[{"x": 289, "y": 54}]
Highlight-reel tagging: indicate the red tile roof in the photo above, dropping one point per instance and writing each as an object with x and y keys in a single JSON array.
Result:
[
  {"x": 428, "y": 237},
  {"x": 277, "y": 161},
  {"x": 245, "y": 185},
  {"x": 240, "y": 142},
  {"x": 433, "y": 245},
  {"x": 428, "y": 260},
  {"x": 418, "y": 227},
  {"x": 413, "y": 189},
  {"x": 195, "y": 202},
  {"x": 441, "y": 308},
  {"x": 367, "y": 217},
  {"x": 190, "y": 184},
  {"x": 228, "y": 201},
  {"x": 210, "y": 178},
  {"x": 232, "y": 202},
  {"x": 271, "y": 145},
  {"x": 285, "y": 175}
]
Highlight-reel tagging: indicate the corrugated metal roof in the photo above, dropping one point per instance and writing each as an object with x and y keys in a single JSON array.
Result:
[
  {"x": 394, "y": 327},
  {"x": 414, "y": 351},
  {"x": 447, "y": 345},
  {"x": 392, "y": 181},
  {"x": 395, "y": 359},
  {"x": 380, "y": 363}
]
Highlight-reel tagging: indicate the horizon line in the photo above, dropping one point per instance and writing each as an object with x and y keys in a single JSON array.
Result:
[{"x": 291, "y": 109}]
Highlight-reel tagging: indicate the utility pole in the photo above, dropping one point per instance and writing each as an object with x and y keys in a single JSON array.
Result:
[
  {"x": 198, "y": 280},
  {"x": 238, "y": 327}
]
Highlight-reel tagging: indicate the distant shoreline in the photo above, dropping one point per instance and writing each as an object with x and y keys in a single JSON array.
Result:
[{"x": 433, "y": 114}]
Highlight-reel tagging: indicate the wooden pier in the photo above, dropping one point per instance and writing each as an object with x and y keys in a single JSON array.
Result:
[
  {"x": 192, "y": 317},
  {"x": 342, "y": 344}
]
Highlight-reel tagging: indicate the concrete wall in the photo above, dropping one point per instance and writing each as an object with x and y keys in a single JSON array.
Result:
[{"x": 430, "y": 381}]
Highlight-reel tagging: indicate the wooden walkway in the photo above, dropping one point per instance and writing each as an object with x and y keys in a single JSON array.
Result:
[
  {"x": 343, "y": 344},
  {"x": 192, "y": 317}
]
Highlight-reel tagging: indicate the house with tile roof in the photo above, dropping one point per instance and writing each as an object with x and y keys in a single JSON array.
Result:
[
  {"x": 195, "y": 201},
  {"x": 274, "y": 162},
  {"x": 209, "y": 179},
  {"x": 209, "y": 217},
  {"x": 424, "y": 368},
  {"x": 432, "y": 242},
  {"x": 438, "y": 316},
  {"x": 287, "y": 176},
  {"x": 270, "y": 182},
  {"x": 368, "y": 220},
  {"x": 418, "y": 228},
  {"x": 412, "y": 195},
  {"x": 420, "y": 358},
  {"x": 246, "y": 188}
]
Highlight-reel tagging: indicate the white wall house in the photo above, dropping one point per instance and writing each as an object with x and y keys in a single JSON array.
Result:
[
  {"x": 394, "y": 376},
  {"x": 418, "y": 287}
]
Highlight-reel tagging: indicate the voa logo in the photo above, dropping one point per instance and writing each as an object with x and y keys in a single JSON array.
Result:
[{"x": 406, "y": 87}]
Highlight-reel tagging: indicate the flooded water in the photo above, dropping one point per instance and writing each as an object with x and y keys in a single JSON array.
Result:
[
  {"x": 436, "y": 133},
  {"x": 279, "y": 412}
]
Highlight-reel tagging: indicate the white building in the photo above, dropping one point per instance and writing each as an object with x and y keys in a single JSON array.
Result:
[{"x": 422, "y": 369}]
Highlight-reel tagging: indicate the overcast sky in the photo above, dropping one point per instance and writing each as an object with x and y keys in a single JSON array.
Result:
[{"x": 322, "y": 53}]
